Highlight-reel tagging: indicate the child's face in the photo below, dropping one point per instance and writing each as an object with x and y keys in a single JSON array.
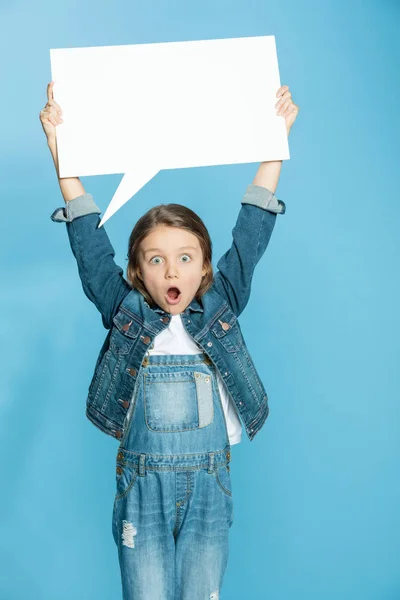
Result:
[{"x": 171, "y": 257}]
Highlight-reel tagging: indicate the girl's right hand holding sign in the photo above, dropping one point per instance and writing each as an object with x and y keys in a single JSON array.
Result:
[{"x": 51, "y": 115}]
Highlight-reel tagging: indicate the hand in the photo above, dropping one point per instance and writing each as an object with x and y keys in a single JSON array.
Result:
[
  {"x": 286, "y": 107},
  {"x": 50, "y": 116}
]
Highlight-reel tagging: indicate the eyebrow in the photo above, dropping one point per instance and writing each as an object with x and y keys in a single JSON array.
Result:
[{"x": 159, "y": 249}]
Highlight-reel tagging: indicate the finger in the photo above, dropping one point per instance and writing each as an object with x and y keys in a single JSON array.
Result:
[
  {"x": 50, "y": 115},
  {"x": 284, "y": 106},
  {"x": 56, "y": 105},
  {"x": 287, "y": 110},
  {"x": 52, "y": 112},
  {"x": 51, "y": 119},
  {"x": 50, "y": 91},
  {"x": 44, "y": 114},
  {"x": 282, "y": 90},
  {"x": 291, "y": 110},
  {"x": 56, "y": 120},
  {"x": 55, "y": 114},
  {"x": 282, "y": 99}
]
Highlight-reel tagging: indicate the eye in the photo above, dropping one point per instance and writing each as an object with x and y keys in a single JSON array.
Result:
[
  {"x": 188, "y": 256},
  {"x": 151, "y": 260}
]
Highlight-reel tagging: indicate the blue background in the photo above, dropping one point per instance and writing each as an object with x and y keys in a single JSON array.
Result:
[{"x": 317, "y": 493}]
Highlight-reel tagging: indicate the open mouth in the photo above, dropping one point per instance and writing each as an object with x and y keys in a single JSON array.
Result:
[{"x": 173, "y": 295}]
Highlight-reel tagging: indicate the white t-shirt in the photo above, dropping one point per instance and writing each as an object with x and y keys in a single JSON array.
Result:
[{"x": 175, "y": 340}]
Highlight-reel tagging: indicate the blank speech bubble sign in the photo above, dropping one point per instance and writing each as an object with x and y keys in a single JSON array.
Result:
[{"x": 137, "y": 109}]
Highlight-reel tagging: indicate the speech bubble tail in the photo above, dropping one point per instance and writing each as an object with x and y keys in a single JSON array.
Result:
[{"x": 130, "y": 184}]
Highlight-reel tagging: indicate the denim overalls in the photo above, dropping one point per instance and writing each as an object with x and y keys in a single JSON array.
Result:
[{"x": 173, "y": 507}]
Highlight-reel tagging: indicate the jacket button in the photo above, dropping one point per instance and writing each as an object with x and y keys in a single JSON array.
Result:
[
  {"x": 126, "y": 326},
  {"x": 120, "y": 456},
  {"x": 119, "y": 470},
  {"x": 228, "y": 455},
  {"x": 145, "y": 362},
  {"x": 209, "y": 343},
  {"x": 125, "y": 403},
  {"x": 165, "y": 319},
  {"x": 146, "y": 339},
  {"x": 118, "y": 434},
  {"x": 132, "y": 372}
]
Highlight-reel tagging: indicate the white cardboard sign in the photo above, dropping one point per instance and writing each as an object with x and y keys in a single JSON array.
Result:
[{"x": 137, "y": 109}]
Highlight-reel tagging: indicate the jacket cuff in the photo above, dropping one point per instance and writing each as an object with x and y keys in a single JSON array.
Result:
[
  {"x": 264, "y": 198},
  {"x": 78, "y": 207}
]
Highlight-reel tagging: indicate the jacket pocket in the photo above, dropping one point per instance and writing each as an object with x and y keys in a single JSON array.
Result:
[
  {"x": 124, "y": 333},
  {"x": 227, "y": 331}
]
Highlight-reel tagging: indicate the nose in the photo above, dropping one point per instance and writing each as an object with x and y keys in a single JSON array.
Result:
[{"x": 171, "y": 271}]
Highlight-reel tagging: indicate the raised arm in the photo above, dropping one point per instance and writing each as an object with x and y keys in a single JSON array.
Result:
[
  {"x": 102, "y": 279},
  {"x": 255, "y": 222},
  {"x": 250, "y": 237}
]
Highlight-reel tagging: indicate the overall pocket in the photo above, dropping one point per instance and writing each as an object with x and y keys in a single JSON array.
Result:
[
  {"x": 223, "y": 479},
  {"x": 178, "y": 401},
  {"x": 126, "y": 475}
]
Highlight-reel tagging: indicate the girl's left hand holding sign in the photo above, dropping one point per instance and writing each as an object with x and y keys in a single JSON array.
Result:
[{"x": 285, "y": 106}]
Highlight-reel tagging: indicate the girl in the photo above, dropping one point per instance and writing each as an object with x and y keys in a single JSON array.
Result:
[{"x": 174, "y": 374}]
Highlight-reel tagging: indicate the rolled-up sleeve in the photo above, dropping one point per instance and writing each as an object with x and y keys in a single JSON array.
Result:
[
  {"x": 264, "y": 198},
  {"x": 79, "y": 206}
]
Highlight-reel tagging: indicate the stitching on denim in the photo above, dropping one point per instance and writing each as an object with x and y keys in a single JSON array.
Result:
[
  {"x": 177, "y": 518},
  {"x": 124, "y": 348},
  {"x": 223, "y": 488},
  {"x": 188, "y": 488},
  {"x": 221, "y": 451},
  {"x": 202, "y": 333},
  {"x": 259, "y": 237},
  {"x": 252, "y": 390},
  {"x": 130, "y": 486},
  {"x": 112, "y": 383},
  {"x": 101, "y": 421},
  {"x": 261, "y": 415},
  {"x": 192, "y": 380},
  {"x": 223, "y": 338},
  {"x": 106, "y": 360},
  {"x": 256, "y": 376},
  {"x": 84, "y": 266}
]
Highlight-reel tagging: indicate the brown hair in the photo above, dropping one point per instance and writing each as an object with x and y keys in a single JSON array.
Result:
[{"x": 173, "y": 215}]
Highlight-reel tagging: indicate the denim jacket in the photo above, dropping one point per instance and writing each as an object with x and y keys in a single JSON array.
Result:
[{"x": 133, "y": 324}]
